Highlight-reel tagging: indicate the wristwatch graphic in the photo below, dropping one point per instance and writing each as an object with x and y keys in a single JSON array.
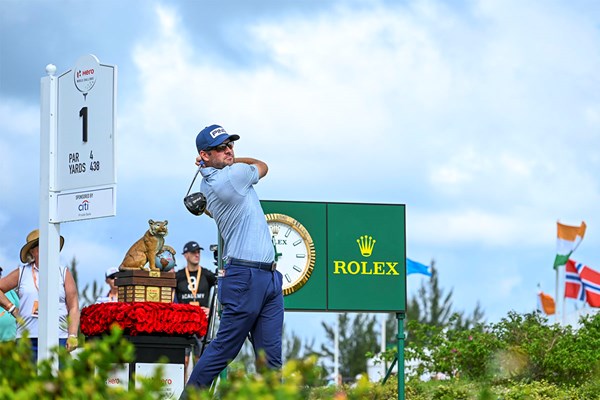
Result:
[{"x": 294, "y": 251}]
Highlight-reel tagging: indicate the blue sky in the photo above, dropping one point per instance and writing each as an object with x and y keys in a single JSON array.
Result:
[{"x": 481, "y": 116}]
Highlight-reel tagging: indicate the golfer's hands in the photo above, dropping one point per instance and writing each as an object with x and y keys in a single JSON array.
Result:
[{"x": 18, "y": 318}]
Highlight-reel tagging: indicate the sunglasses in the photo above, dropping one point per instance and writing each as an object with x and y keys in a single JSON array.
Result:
[{"x": 222, "y": 147}]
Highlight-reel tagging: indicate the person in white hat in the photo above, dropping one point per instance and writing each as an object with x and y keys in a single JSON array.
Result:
[
  {"x": 25, "y": 281},
  {"x": 113, "y": 292}
]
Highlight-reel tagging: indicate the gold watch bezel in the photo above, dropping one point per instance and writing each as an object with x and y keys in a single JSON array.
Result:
[{"x": 308, "y": 242}]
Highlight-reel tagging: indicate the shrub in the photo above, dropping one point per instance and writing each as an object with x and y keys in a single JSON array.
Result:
[
  {"x": 518, "y": 348},
  {"x": 81, "y": 377},
  {"x": 574, "y": 358}
]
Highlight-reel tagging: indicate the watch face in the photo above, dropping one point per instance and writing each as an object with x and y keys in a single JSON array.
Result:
[{"x": 294, "y": 251}]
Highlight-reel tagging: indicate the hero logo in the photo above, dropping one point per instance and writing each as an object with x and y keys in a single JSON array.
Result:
[
  {"x": 87, "y": 72},
  {"x": 84, "y": 73},
  {"x": 84, "y": 206}
]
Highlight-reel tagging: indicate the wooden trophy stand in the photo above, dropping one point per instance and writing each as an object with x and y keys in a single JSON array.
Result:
[{"x": 142, "y": 285}]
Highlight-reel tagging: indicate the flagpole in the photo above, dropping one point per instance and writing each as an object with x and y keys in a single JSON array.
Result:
[
  {"x": 336, "y": 352},
  {"x": 383, "y": 342},
  {"x": 568, "y": 240},
  {"x": 556, "y": 297},
  {"x": 564, "y": 305}
]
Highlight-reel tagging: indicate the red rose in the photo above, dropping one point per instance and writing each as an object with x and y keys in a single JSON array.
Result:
[{"x": 144, "y": 318}]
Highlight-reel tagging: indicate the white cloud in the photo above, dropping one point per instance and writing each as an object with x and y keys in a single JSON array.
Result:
[
  {"x": 507, "y": 285},
  {"x": 93, "y": 257},
  {"x": 482, "y": 118},
  {"x": 19, "y": 134},
  {"x": 373, "y": 96},
  {"x": 477, "y": 227},
  {"x": 18, "y": 119}
]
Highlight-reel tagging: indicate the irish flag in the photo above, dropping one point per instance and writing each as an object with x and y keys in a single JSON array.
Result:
[
  {"x": 546, "y": 303},
  {"x": 567, "y": 241}
]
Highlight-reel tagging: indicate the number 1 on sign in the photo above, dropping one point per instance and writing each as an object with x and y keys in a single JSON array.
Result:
[{"x": 84, "y": 114}]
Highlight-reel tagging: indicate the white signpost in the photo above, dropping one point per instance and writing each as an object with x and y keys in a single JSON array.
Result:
[
  {"x": 172, "y": 378},
  {"x": 77, "y": 168},
  {"x": 85, "y": 145}
]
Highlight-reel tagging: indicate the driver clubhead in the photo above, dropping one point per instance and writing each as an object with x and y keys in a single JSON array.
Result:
[{"x": 195, "y": 203}]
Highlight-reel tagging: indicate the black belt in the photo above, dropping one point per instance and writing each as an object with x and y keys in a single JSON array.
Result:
[{"x": 252, "y": 264}]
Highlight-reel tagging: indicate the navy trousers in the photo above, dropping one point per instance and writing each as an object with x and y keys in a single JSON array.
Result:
[
  {"x": 34, "y": 347},
  {"x": 252, "y": 302}
]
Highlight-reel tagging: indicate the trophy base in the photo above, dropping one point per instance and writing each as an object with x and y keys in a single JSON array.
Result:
[{"x": 142, "y": 285}]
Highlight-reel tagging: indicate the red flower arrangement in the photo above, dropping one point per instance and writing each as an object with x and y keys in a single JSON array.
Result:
[{"x": 144, "y": 318}]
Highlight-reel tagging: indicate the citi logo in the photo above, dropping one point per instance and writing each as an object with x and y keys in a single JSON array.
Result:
[
  {"x": 365, "y": 245},
  {"x": 84, "y": 206}
]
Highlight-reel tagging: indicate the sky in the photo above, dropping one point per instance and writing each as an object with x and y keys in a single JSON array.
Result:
[{"x": 482, "y": 117}]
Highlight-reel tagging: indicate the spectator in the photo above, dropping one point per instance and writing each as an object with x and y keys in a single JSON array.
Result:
[
  {"x": 194, "y": 284},
  {"x": 8, "y": 324},
  {"x": 25, "y": 281},
  {"x": 113, "y": 292}
]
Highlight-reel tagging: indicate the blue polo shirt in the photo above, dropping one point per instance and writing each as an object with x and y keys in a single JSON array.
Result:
[{"x": 234, "y": 204}]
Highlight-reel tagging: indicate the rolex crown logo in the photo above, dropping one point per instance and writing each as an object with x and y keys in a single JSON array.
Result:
[
  {"x": 274, "y": 230},
  {"x": 366, "y": 244}
]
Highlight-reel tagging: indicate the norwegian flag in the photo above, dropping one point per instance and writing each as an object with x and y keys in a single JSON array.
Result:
[{"x": 582, "y": 283}]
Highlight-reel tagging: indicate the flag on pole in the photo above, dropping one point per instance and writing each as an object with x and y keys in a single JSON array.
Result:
[
  {"x": 547, "y": 304},
  {"x": 567, "y": 241},
  {"x": 413, "y": 267},
  {"x": 573, "y": 285},
  {"x": 582, "y": 283}
]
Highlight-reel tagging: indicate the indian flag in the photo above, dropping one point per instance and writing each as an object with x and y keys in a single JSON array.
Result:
[{"x": 567, "y": 241}]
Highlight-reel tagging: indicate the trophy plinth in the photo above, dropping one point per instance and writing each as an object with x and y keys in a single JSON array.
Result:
[{"x": 143, "y": 285}]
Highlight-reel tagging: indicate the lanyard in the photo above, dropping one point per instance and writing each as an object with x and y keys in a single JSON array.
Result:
[
  {"x": 34, "y": 275},
  {"x": 193, "y": 288}
]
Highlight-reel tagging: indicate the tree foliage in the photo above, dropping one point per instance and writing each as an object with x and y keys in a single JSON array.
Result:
[
  {"x": 518, "y": 348},
  {"x": 292, "y": 349},
  {"x": 88, "y": 294},
  {"x": 80, "y": 377},
  {"x": 357, "y": 337},
  {"x": 432, "y": 306}
]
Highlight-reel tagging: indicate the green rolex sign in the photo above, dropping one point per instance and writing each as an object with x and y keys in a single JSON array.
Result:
[{"x": 340, "y": 256}]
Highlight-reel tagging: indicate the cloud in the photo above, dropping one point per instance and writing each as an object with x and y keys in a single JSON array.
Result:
[
  {"x": 481, "y": 117},
  {"x": 476, "y": 227},
  {"x": 19, "y": 124},
  {"x": 93, "y": 257}
]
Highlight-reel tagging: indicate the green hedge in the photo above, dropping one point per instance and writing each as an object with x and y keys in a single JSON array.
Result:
[
  {"x": 81, "y": 377},
  {"x": 521, "y": 357},
  {"x": 518, "y": 348}
]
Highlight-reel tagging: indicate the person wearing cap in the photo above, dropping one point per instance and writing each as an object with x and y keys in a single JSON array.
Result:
[
  {"x": 8, "y": 324},
  {"x": 249, "y": 285},
  {"x": 194, "y": 283},
  {"x": 113, "y": 291},
  {"x": 24, "y": 280}
]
